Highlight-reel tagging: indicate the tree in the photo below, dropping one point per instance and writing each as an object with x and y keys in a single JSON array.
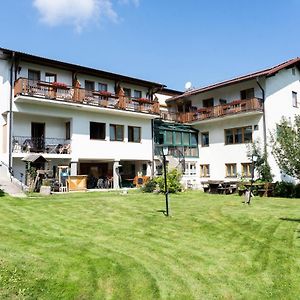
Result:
[
  {"x": 286, "y": 146},
  {"x": 261, "y": 165}
]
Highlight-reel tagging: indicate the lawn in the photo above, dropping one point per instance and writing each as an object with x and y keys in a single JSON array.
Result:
[{"x": 112, "y": 246}]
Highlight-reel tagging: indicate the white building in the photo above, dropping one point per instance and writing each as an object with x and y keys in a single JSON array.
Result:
[
  {"x": 231, "y": 114},
  {"x": 96, "y": 122}
]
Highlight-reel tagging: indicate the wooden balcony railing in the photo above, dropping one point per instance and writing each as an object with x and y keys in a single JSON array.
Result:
[
  {"x": 232, "y": 108},
  {"x": 61, "y": 92}
]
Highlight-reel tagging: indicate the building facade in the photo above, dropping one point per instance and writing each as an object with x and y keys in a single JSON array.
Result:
[
  {"x": 232, "y": 114},
  {"x": 98, "y": 123},
  {"x": 105, "y": 124}
]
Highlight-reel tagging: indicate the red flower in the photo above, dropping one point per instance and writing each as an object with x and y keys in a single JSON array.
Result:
[
  {"x": 105, "y": 93},
  {"x": 143, "y": 100},
  {"x": 59, "y": 84}
]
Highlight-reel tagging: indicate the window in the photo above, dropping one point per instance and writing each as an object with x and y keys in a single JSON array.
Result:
[
  {"x": 116, "y": 132},
  {"x": 204, "y": 139},
  {"x": 169, "y": 138},
  {"x": 238, "y": 135},
  {"x": 208, "y": 102},
  {"x": 49, "y": 77},
  {"x": 204, "y": 171},
  {"x": 97, "y": 131},
  {"x": 127, "y": 92},
  {"x": 293, "y": 71},
  {"x": 185, "y": 139},
  {"x": 134, "y": 134},
  {"x": 295, "y": 99},
  {"x": 222, "y": 101},
  {"x": 89, "y": 85},
  {"x": 247, "y": 94},
  {"x": 246, "y": 169},
  {"x": 137, "y": 94},
  {"x": 230, "y": 170},
  {"x": 68, "y": 130},
  {"x": 102, "y": 87},
  {"x": 177, "y": 138},
  {"x": 190, "y": 168},
  {"x": 34, "y": 75},
  {"x": 194, "y": 139}
]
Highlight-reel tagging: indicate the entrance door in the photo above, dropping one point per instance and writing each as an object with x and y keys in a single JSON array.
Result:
[{"x": 38, "y": 136}]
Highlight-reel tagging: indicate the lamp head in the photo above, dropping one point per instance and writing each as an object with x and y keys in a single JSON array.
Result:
[
  {"x": 254, "y": 158},
  {"x": 165, "y": 151}
]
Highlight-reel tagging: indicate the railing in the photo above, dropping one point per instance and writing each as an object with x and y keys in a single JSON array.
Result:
[
  {"x": 235, "y": 107},
  {"x": 65, "y": 93},
  {"x": 27, "y": 144}
]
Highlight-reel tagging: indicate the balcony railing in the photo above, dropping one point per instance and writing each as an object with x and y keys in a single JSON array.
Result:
[
  {"x": 27, "y": 144},
  {"x": 61, "y": 92},
  {"x": 232, "y": 108}
]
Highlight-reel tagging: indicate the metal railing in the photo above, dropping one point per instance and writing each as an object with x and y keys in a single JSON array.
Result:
[
  {"x": 62, "y": 92},
  {"x": 204, "y": 113},
  {"x": 27, "y": 144}
]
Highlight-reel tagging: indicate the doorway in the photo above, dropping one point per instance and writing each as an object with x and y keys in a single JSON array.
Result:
[{"x": 38, "y": 136}]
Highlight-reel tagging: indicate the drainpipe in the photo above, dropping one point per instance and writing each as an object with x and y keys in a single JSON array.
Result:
[
  {"x": 264, "y": 117},
  {"x": 153, "y": 147},
  {"x": 11, "y": 114}
]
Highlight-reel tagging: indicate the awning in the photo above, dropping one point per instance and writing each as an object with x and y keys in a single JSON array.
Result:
[{"x": 37, "y": 158}]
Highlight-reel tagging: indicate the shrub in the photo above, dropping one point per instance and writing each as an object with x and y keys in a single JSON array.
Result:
[
  {"x": 173, "y": 181},
  {"x": 287, "y": 190},
  {"x": 149, "y": 186}
]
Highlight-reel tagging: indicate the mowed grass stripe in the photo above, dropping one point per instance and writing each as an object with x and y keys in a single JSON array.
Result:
[{"x": 111, "y": 246}]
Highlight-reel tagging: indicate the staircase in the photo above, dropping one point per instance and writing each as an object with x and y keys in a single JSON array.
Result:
[{"x": 11, "y": 186}]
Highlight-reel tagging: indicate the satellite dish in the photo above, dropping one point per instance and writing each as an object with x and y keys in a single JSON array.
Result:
[{"x": 188, "y": 85}]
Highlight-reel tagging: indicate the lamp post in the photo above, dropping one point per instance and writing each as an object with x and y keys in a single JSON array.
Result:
[
  {"x": 165, "y": 151},
  {"x": 254, "y": 160}
]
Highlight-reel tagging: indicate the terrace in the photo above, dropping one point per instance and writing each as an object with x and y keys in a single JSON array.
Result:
[
  {"x": 206, "y": 113},
  {"x": 64, "y": 93},
  {"x": 27, "y": 144}
]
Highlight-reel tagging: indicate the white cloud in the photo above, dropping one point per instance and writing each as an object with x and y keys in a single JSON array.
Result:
[{"x": 77, "y": 13}]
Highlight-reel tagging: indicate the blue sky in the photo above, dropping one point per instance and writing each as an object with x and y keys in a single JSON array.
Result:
[{"x": 167, "y": 41}]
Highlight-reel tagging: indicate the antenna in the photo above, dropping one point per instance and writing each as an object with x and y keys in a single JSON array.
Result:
[{"x": 188, "y": 85}]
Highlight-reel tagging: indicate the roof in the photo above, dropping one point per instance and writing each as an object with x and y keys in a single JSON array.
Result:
[
  {"x": 263, "y": 73},
  {"x": 34, "y": 158},
  {"x": 81, "y": 69},
  {"x": 170, "y": 92}
]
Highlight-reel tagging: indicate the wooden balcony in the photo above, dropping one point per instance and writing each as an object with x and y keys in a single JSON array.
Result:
[
  {"x": 205, "y": 113},
  {"x": 65, "y": 93}
]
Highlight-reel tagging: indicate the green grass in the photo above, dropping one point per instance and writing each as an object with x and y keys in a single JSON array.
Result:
[{"x": 111, "y": 246}]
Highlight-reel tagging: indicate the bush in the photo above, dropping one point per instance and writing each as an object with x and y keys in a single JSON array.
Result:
[
  {"x": 149, "y": 186},
  {"x": 173, "y": 181},
  {"x": 287, "y": 190}
]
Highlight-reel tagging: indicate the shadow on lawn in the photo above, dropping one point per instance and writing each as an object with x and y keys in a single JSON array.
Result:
[
  {"x": 290, "y": 219},
  {"x": 162, "y": 211},
  {"x": 2, "y": 194}
]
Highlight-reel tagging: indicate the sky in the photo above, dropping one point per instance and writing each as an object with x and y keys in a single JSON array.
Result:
[{"x": 166, "y": 41}]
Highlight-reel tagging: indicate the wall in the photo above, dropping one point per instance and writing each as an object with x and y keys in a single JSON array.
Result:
[
  {"x": 82, "y": 146},
  {"x": 279, "y": 103},
  {"x": 217, "y": 154}
]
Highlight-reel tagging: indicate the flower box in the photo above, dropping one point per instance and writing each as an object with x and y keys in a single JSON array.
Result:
[
  {"x": 105, "y": 93},
  {"x": 143, "y": 100},
  {"x": 60, "y": 85}
]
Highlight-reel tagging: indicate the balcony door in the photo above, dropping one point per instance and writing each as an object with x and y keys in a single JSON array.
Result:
[{"x": 38, "y": 136}]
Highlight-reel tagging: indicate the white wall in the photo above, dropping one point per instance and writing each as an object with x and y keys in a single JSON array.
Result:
[
  {"x": 278, "y": 103},
  {"x": 82, "y": 146},
  {"x": 217, "y": 154},
  {"x": 229, "y": 93}
]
